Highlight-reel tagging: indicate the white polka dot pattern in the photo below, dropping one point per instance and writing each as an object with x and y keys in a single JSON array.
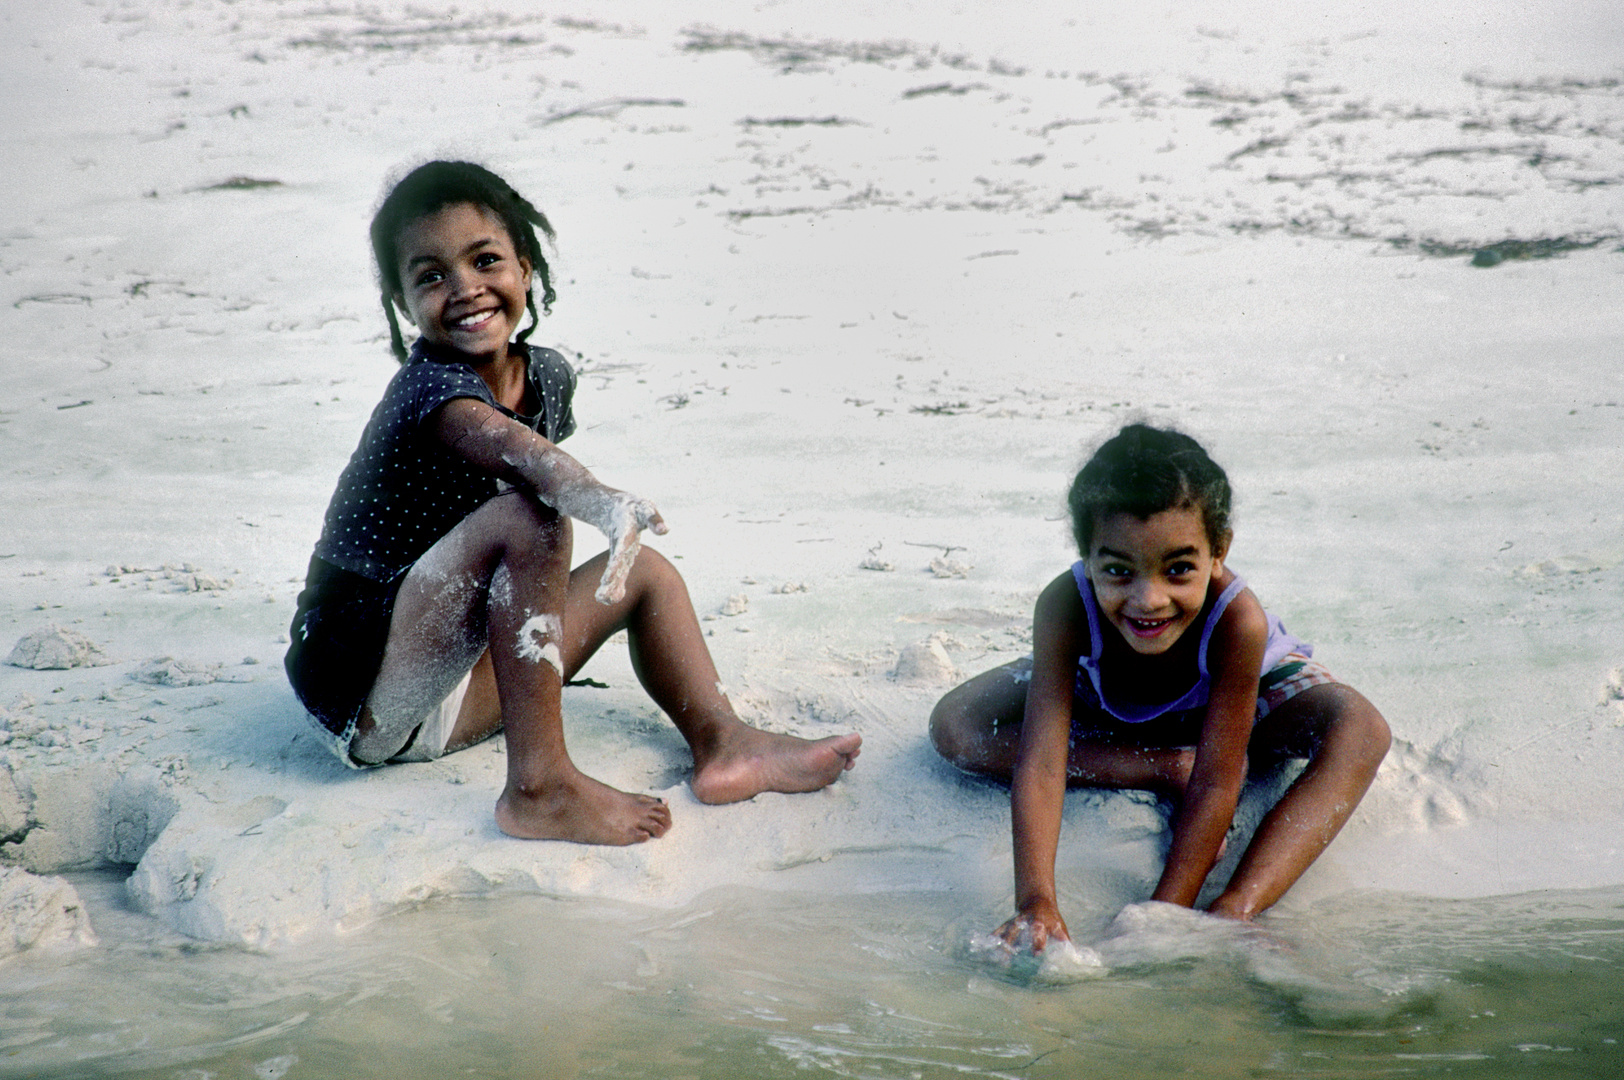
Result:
[{"x": 403, "y": 489}]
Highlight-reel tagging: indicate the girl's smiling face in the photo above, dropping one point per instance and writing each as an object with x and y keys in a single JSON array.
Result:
[
  {"x": 463, "y": 282},
  {"x": 1151, "y": 576}
]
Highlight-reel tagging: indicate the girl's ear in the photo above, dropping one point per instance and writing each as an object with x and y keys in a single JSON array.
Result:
[
  {"x": 529, "y": 272},
  {"x": 400, "y": 305},
  {"x": 1220, "y": 551}
]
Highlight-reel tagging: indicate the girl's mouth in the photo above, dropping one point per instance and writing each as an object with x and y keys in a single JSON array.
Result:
[
  {"x": 474, "y": 320},
  {"x": 1146, "y": 628}
]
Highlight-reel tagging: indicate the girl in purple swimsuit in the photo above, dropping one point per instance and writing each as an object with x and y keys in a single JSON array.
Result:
[{"x": 1153, "y": 666}]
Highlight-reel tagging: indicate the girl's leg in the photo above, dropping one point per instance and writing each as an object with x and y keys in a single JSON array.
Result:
[
  {"x": 1164, "y": 770},
  {"x": 1345, "y": 739},
  {"x": 977, "y": 726},
  {"x": 732, "y": 761},
  {"x": 502, "y": 576}
]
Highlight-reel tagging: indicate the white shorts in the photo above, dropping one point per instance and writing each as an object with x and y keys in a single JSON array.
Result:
[{"x": 435, "y": 732}]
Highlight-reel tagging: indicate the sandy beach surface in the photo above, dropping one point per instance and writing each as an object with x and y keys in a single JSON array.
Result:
[{"x": 851, "y": 293}]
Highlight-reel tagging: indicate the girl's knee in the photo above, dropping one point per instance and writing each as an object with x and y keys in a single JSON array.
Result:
[
  {"x": 524, "y": 526},
  {"x": 949, "y": 729},
  {"x": 1331, "y": 717},
  {"x": 655, "y": 568},
  {"x": 1374, "y": 733},
  {"x": 1358, "y": 728}
]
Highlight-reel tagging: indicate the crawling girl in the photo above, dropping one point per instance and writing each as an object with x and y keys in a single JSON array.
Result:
[
  {"x": 440, "y": 605},
  {"x": 1154, "y": 667}
]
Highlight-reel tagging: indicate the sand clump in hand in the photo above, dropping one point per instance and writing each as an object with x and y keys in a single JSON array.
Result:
[{"x": 56, "y": 649}]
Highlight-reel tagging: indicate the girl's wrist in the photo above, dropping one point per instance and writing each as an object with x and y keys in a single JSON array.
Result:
[{"x": 1025, "y": 905}]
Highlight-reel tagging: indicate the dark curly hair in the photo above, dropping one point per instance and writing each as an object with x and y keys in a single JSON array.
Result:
[
  {"x": 1142, "y": 471},
  {"x": 430, "y": 188}
]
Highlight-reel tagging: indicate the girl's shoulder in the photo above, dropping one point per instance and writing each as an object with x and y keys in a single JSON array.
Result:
[
  {"x": 1242, "y": 621},
  {"x": 1064, "y": 590},
  {"x": 1061, "y": 606},
  {"x": 549, "y": 369},
  {"x": 433, "y": 376}
]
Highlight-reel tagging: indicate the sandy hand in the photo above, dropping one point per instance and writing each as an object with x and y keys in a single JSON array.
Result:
[
  {"x": 1034, "y": 928},
  {"x": 623, "y": 523}
]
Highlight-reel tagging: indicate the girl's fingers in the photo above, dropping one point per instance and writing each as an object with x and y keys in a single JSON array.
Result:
[
  {"x": 1027, "y": 932},
  {"x": 625, "y": 541},
  {"x": 1010, "y": 932},
  {"x": 649, "y": 518},
  {"x": 622, "y": 553}
]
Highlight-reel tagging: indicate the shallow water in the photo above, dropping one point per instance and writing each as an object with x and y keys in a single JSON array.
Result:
[{"x": 753, "y": 984}]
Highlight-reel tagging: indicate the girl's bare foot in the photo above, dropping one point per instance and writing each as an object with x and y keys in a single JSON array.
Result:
[
  {"x": 746, "y": 761},
  {"x": 582, "y": 810}
]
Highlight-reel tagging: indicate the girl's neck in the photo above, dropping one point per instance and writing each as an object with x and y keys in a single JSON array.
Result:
[{"x": 505, "y": 375}]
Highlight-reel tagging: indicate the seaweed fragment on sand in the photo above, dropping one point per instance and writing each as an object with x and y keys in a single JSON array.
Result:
[
  {"x": 418, "y": 30},
  {"x": 241, "y": 183},
  {"x": 791, "y": 55},
  {"x": 610, "y": 108},
  {"x": 800, "y": 121},
  {"x": 1485, "y": 255}
]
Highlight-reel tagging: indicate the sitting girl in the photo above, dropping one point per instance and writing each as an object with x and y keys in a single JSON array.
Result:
[
  {"x": 440, "y": 605},
  {"x": 1153, "y": 666}
]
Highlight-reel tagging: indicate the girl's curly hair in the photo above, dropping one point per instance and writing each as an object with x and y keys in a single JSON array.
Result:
[
  {"x": 430, "y": 188},
  {"x": 1142, "y": 471}
]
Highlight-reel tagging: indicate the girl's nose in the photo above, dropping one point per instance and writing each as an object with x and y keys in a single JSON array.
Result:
[
  {"x": 1149, "y": 595},
  {"x": 461, "y": 283}
]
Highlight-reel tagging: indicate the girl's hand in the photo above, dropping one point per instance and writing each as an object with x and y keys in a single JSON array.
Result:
[
  {"x": 623, "y": 523},
  {"x": 1038, "y": 924}
]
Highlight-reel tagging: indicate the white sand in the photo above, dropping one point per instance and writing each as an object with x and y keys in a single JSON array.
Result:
[{"x": 846, "y": 289}]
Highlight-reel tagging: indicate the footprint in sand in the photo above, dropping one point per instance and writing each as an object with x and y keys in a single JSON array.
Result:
[{"x": 1428, "y": 799}]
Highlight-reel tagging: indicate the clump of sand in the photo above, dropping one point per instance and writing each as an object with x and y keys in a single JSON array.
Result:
[
  {"x": 56, "y": 649},
  {"x": 38, "y": 911},
  {"x": 925, "y": 662}
]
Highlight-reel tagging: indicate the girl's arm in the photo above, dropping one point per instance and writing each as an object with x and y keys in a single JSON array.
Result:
[
  {"x": 1234, "y": 660},
  {"x": 1038, "y": 787},
  {"x": 512, "y": 452}
]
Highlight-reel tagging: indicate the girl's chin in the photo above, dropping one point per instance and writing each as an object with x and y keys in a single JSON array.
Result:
[{"x": 471, "y": 345}]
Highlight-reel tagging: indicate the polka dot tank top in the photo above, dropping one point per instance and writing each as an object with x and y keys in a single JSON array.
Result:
[{"x": 403, "y": 489}]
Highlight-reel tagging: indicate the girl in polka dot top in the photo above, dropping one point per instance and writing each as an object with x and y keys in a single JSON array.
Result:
[{"x": 441, "y": 606}]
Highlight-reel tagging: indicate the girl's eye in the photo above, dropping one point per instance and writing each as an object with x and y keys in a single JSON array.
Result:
[
  {"x": 1116, "y": 571},
  {"x": 429, "y": 277},
  {"x": 1180, "y": 569},
  {"x": 487, "y": 258}
]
